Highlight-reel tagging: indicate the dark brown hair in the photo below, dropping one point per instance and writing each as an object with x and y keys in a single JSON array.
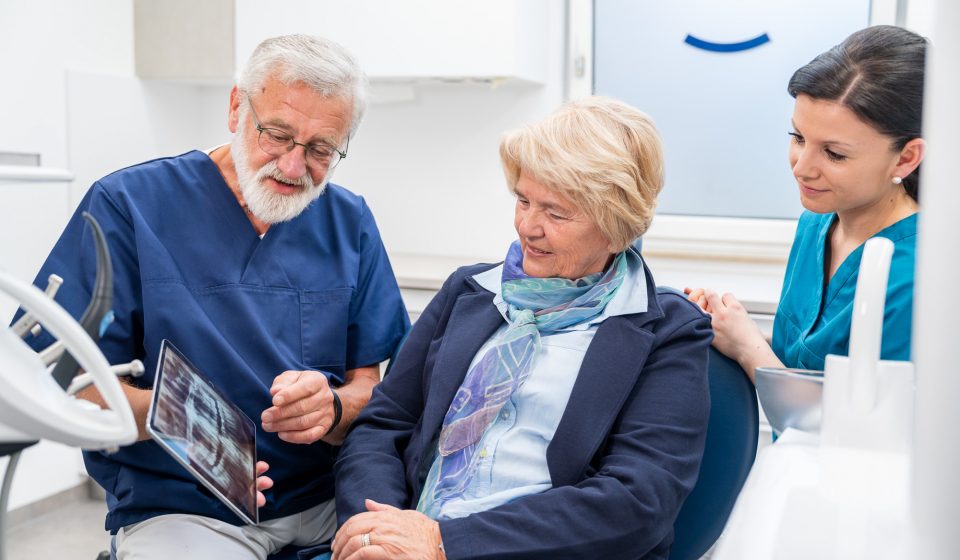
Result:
[{"x": 878, "y": 74}]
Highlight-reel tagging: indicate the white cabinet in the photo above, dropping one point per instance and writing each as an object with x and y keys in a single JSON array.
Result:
[
  {"x": 446, "y": 39},
  {"x": 413, "y": 40},
  {"x": 184, "y": 39}
]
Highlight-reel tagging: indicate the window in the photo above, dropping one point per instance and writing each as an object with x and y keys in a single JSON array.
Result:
[{"x": 713, "y": 76}]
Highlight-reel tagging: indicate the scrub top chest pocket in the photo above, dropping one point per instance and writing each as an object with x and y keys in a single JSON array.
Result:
[{"x": 324, "y": 322}]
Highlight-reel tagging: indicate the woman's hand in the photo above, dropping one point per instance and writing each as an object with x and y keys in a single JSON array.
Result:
[
  {"x": 263, "y": 482},
  {"x": 387, "y": 532},
  {"x": 735, "y": 334}
]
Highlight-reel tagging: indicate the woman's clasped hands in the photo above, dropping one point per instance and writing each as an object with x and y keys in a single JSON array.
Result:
[{"x": 386, "y": 532}]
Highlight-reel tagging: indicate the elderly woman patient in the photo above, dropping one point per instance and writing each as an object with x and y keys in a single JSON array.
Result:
[{"x": 550, "y": 406}]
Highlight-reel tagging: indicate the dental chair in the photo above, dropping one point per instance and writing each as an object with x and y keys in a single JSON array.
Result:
[
  {"x": 733, "y": 431},
  {"x": 732, "y": 436},
  {"x": 36, "y": 389}
]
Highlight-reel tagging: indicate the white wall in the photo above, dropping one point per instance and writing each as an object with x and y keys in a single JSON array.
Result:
[
  {"x": 41, "y": 41},
  {"x": 425, "y": 159},
  {"x": 72, "y": 97},
  {"x": 426, "y": 155},
  {"x": 430, "y": 167},
  {"x": 147, "y": 119}
]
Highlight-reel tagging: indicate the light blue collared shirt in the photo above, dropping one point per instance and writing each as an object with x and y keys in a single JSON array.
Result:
[{"x": 513, "y": 451}]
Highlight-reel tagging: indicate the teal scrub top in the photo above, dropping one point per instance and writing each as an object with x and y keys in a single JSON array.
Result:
[{"x": 813, "y": 321}]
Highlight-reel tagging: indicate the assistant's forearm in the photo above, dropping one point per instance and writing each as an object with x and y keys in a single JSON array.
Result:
[{"x": 760, "y": 354}]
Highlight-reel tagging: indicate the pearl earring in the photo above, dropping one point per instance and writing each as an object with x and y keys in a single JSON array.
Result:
[{"x": 897, "y": 180}]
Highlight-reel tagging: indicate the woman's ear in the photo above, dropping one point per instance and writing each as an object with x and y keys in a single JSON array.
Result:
[{"x": 910, "y": 157}]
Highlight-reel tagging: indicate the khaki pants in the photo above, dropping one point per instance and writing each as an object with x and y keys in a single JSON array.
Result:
[{"x": 188, "y": 537}]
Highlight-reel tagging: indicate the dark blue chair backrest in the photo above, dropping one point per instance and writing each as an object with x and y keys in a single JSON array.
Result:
[{"x": 732, "y": 436}]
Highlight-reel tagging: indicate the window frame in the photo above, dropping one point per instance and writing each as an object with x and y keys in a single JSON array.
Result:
[{"x": 679, "y": 236}]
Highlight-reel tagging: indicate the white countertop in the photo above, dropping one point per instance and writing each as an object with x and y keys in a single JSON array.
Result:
[{"x": 26, "y": 173}]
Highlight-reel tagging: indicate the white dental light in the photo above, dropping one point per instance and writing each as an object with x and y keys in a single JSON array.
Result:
[{"x": 34, "y": 406}]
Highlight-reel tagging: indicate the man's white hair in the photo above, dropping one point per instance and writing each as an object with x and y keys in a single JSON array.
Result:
[{"x": 322, "y": 65}]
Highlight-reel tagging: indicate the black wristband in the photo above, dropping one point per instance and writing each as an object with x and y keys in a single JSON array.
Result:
[{"x": 337, "y": 410}]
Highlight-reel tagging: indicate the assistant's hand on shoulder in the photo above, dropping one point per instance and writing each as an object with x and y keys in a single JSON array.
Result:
[{"x": 735, "y": 334}]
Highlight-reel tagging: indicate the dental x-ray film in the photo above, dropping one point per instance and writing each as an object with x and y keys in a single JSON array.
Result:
[{"x": 206, "y": 433}]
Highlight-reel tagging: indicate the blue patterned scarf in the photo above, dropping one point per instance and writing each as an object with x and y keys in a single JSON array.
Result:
[{"x": 537, "y": 306}]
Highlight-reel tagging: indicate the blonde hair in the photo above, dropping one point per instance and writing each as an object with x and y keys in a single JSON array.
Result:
[{"x": 602, "y": 154}]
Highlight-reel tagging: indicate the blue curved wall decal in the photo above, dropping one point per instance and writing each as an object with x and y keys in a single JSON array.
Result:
[{"x": 727, "y": 47}]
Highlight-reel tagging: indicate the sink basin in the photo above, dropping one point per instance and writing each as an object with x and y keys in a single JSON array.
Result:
[{"x": 791, "y": 398}]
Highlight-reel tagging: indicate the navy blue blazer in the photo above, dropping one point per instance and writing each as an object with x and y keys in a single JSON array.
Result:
[{"x": 624, "y": 457}]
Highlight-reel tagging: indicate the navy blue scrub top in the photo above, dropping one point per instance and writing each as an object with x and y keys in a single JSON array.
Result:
[
  {"x": 316, "y": 292},
  {"x": 812, "y": 322}
]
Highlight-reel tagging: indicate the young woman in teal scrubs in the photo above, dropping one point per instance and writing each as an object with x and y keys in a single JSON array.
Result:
[{"x": 855, "y": 150}]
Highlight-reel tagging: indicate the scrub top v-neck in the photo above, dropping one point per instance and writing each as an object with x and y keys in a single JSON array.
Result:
[{"x": 814, "y": 316}]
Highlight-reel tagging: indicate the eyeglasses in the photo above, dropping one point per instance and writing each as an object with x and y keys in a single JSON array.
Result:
[{"x": 276, "y": 142}]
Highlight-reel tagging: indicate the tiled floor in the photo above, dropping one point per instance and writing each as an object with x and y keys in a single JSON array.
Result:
[{"x": 74, "y": 530}]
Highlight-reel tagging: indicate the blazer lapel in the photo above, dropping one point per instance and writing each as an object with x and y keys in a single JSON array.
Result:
[
  {"x": 610, "y": 370},
  {"x": 472, "y": 321}
]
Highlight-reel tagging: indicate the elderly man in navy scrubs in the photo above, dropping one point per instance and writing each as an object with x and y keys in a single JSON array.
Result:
[{"x": 274, "y": 282}]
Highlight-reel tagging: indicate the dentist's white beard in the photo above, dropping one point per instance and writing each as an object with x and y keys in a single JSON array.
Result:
[{"x": 265, "y": 204}]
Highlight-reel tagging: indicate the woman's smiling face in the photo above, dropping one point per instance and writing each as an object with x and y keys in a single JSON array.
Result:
[
  {"x": 841, "y": 163},
  {"x": 558, "y": 239}
]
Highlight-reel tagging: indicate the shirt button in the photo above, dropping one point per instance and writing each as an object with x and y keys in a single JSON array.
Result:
[
  {"x": 505, "y": 415},
  {"x": 483, "y": 452}
]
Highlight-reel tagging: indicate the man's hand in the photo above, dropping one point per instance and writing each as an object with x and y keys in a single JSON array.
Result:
[
  {"x": 302, "y": 410},
  {"x": 263, "y": 482},
  {"x": 139, "y": 400}
]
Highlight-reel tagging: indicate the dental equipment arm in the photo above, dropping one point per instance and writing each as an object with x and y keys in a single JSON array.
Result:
[{"x": 99, "y": 312}]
